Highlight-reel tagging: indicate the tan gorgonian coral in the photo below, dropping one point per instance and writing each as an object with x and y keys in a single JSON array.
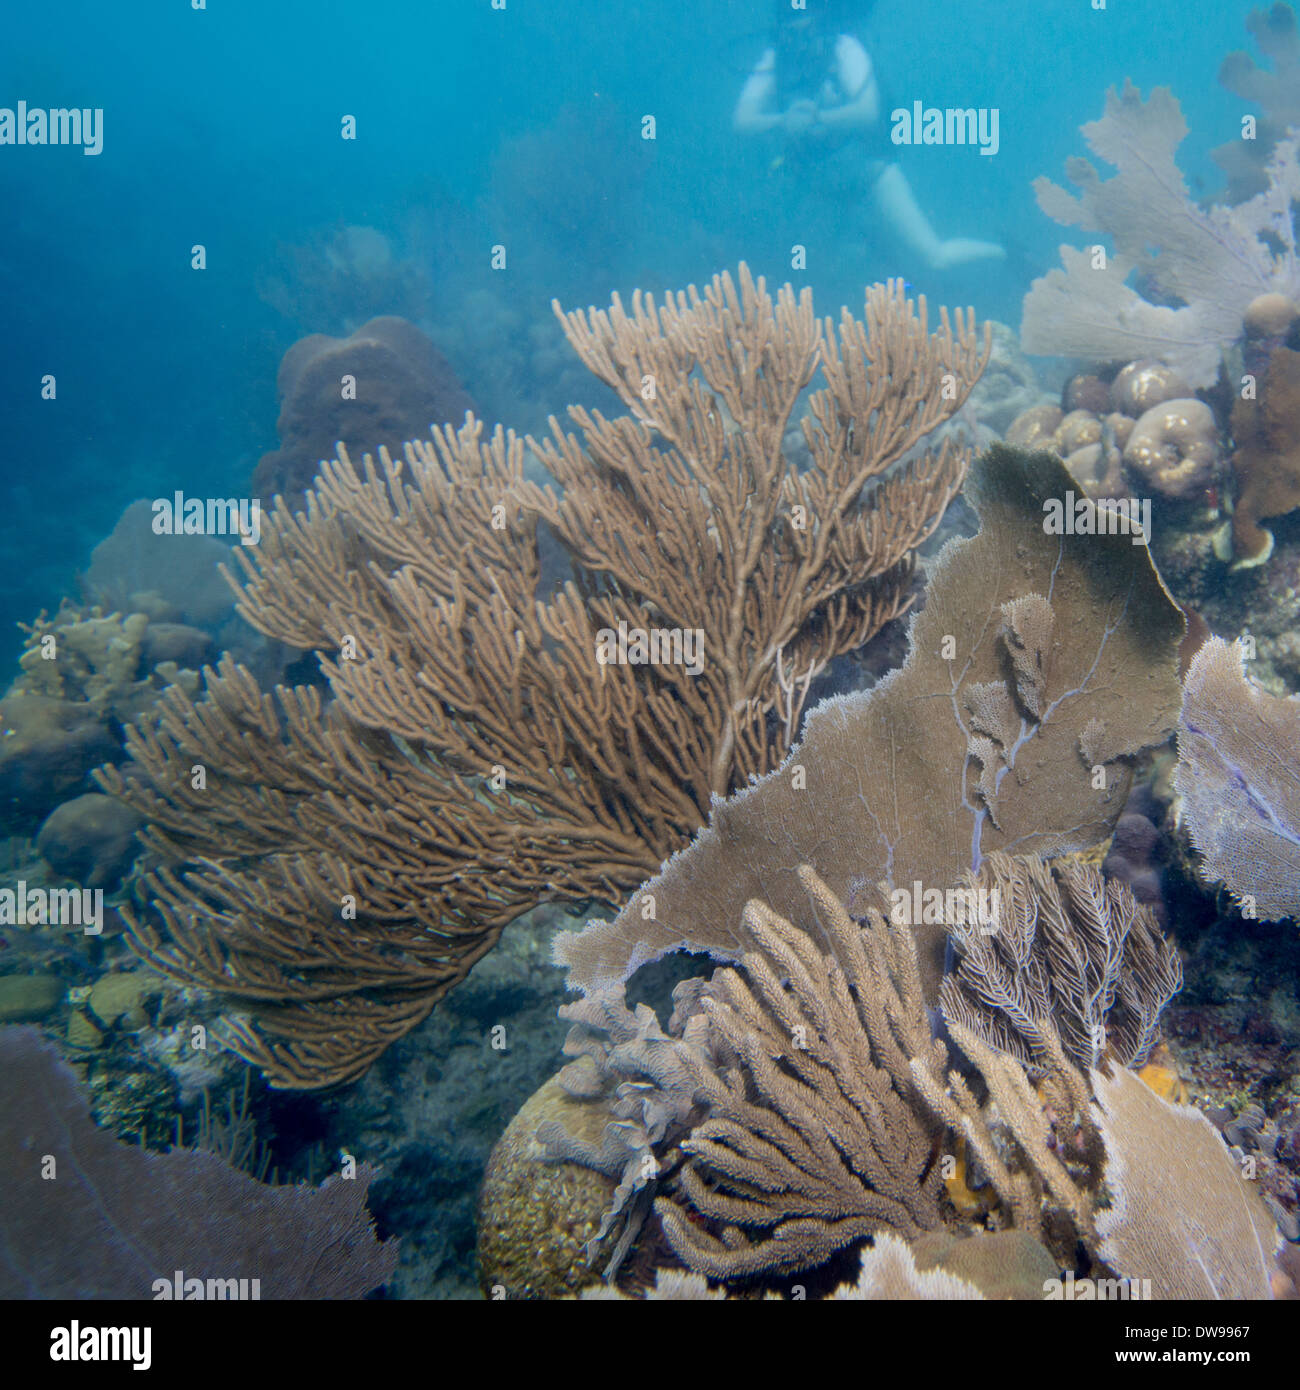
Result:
[
  {"x": 1037, "y": 1147},
  {"x": 690, "y": 505},
  {"x": 888, "y": 1273},
  {"x": 813, "y": 1140},
  {"x": 489, "y": 744},
  {"x": 809, "y": 1098}
]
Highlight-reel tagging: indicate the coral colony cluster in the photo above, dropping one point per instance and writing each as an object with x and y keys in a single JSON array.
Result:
[{"x": 977, "y": 982}]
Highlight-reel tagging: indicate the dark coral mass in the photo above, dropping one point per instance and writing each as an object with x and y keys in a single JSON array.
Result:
[{"x": 383, "y": 384}]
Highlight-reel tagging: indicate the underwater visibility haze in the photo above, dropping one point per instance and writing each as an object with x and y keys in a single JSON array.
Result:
[{"x": 652, "y": 654}]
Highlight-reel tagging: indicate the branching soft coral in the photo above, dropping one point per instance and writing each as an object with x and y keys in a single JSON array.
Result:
[
  {"x": 1200, "y": 267},
  {"x": 1276, "y": 91},
  {"x": 342, "y": 863}
]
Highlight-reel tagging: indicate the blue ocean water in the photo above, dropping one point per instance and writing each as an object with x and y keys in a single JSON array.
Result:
[{"x": 475, "y": 126}]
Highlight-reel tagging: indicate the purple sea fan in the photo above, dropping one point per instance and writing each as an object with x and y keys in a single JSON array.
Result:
[
  {"x": 86, "y": 1216},
  {"x": 1239, "y": 779}
]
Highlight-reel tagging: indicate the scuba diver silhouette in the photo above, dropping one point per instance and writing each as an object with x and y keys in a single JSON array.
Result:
[{"x": 816, "y": 87}]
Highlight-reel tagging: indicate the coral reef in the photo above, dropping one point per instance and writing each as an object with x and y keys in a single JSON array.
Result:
[
  {"x": 1211, "y": 263},
  {"x": 346, "y": 275},
  {"x": 477, "y": 725},
  {"x": 1008, "y": 386},
  {"x": 611, "y": 1045},
  {"x": 783, "y": 1114},
  {"x": 117, "y": 664},
  {"x": 84, "y": 674},
  {"x": 795, "y": 1105},
  {"x": 1143, "y": 384},
  {"x": 1035, "y": 1146},
  {"x": 743, "y": 683},
  {"x": 1267, "y": 1147},
  {"x": 994, "y": 672},
  {"x": 382, "y": 385},
  {"x": 1239, "y": 780},
  {"x": 490, "y": 1045},
  {"x": 87, "y": 1216},
  {"x": 803, "y": 1088},
  {"x": 1138, "y": 433},
  {"x": 1234, "y": 1030}
]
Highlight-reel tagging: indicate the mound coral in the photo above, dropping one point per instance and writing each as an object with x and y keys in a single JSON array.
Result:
[
  {"x": 1173, "y": 449},
  {"x": 1140, "y": 434},
  {"x": 488, "y": 744},
  {"x": 91, "y": 839},
  {"x": 400, "y": 384},
  {"x": 175, "y": 579}
]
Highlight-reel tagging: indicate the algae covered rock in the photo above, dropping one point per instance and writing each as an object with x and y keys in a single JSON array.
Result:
[
  {"x": 1001, "y": 1265},
  {"x": 25, "y": 998},
  {"x": 120, "y": 998},
  {"x": 47, "y": 747},
  {"x": 83, "y": 1032},
  {"x": 91, "y": 839},
  {"x": 537, "y": 1216}
]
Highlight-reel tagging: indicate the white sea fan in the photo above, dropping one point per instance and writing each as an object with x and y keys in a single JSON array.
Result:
[{"x": 1206, "y": 264}]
